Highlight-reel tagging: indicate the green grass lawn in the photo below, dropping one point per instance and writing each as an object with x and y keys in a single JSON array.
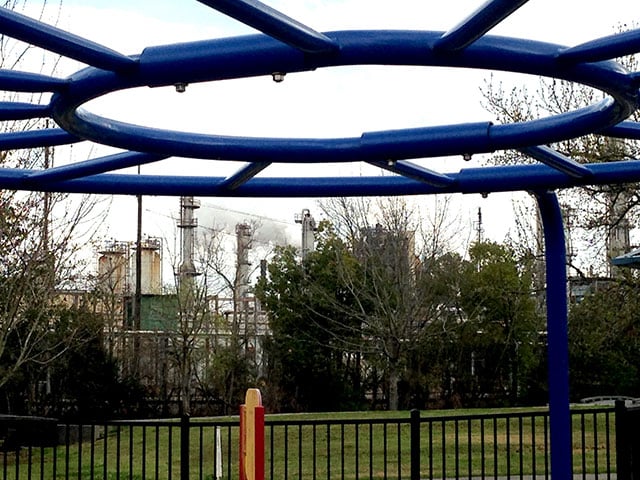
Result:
[{"x": 347, "y": 447}]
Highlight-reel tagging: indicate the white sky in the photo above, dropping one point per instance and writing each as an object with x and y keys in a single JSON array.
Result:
[{"x": 325, "y": 103}]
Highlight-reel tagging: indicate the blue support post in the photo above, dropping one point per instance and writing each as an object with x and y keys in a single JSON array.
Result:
[{"x": 557, "y": 335}]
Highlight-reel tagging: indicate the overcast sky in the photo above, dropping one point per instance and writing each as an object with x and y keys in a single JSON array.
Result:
[{"x": 325, "y": 103}]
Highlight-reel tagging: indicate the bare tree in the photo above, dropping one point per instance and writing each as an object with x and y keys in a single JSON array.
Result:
[
  {"x": 110, "y": 289},
  {"x": 606, "y": 210},
  {"x": 394, "y": 300},
  {"x": 211, "y": 318},
  {"x": 238, "y": 358},
  {"x": 41, "y": 236}
]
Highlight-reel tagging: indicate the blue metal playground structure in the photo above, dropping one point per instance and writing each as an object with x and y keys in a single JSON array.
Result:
[{"x": 286, "y": 46}]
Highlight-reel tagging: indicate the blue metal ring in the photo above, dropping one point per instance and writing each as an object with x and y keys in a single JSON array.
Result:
[{"x": 261, "y": 55}]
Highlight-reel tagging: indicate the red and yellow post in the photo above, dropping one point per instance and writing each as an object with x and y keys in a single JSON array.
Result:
[{"x": 252, "y": 436}]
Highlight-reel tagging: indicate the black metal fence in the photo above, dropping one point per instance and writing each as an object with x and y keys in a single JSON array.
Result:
[{"x": 339, "y": 447}]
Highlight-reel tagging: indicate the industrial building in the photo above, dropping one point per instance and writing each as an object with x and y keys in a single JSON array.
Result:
[{"x": 146, "y": 324}]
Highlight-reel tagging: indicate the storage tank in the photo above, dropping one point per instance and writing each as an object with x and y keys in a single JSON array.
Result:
[
  {"x": 151, "y": 266},
  {"x": 113, "y": 267}
]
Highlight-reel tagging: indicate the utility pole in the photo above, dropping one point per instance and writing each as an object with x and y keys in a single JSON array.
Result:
[
  {"x": 479, "y": 232},
  {"x": 137, "y": 299}
]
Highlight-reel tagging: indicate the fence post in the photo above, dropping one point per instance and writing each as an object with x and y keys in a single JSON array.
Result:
[
  {"x": 252, "y": 436},
  {"x": 415, "y": 444},
  {"x": 184, "y": 447},
  {"x": 623, "y": 448}
]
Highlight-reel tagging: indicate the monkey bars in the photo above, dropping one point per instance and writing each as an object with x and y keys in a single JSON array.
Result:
[{"x": 286, "y": 45}]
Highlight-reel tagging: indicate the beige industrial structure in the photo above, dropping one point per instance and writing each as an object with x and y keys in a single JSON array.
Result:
[
  {"x": 116, "y": 267},
  {"x": 147, "y": 345}
]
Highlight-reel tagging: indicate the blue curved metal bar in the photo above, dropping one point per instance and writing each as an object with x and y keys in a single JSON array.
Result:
[
  {"x": 29, "y": 82},
  {"x": 59, "y": 41},
  {"x": 371, "y": 146},
  {"x": 243, "y": 175},
  {"x": 416, "y": 172},
  {"x": 475, "y": 26},
  {"x": 604, "y": 48},
  {"x": 36, "y": 138},
  {"x": 22, "y": 111},
  {"x": 556, "y": 160},
  {"x": 630, "y": 130},
  {"x": 260, "y": 55},
  {"x": 91, "y": 167},
  {"x": 275, "y": 24},
  {"x": 468, "y": 181},
  {"x": 557, "y": 335}
]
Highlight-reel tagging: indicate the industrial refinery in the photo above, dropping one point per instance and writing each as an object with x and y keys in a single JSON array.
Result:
[{"x": 144, "y": 319}]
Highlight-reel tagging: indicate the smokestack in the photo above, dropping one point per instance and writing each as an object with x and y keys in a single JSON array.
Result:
[
  {"x": 243, "y": 236},
  {"x": 308, "y": 229},
  {"x": 187, "y": 224}
]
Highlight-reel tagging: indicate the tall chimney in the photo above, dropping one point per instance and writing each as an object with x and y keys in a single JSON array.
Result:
[{"x": 187, "y": 224}]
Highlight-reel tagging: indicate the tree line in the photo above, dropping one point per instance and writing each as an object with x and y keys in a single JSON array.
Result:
[
  {"x": 382, "y": 314},
  {"x": 364, "y": 322}
]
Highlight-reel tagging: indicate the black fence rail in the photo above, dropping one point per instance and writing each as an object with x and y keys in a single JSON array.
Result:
[{"x": 415, "y": 446}]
